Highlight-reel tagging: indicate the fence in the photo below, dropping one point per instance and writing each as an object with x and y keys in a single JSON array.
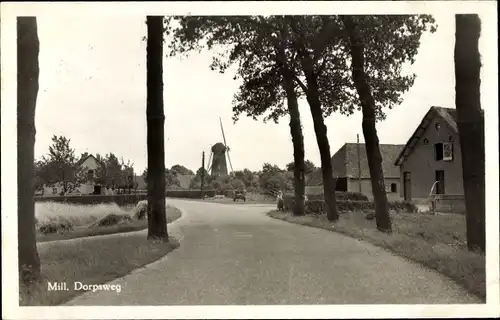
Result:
[
  {"x": 449, "y": 203},
  {"x": 119, "y": 199}
]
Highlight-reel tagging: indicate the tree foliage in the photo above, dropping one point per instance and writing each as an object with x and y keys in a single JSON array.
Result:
[
  {"x": 180, "y": 169},
  {"x": 249, "y": 42},
  {"x": 59, "y": 165},
  {"x": 171, "y": 179}
]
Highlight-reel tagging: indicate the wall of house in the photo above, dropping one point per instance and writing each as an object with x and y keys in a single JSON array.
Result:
[
  {"x": 422, "y": 164},
  {"x": 366, "y": 187},
  {"x": 90, "y": 164}
]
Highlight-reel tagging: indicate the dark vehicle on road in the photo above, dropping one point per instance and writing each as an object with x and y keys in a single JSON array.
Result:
[{"x": 239, "y": 195}]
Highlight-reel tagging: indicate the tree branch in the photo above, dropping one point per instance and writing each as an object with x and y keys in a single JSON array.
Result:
[{"x": 300, "y": 83}]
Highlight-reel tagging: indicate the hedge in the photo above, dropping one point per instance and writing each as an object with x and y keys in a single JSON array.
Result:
[
  {"x": 122, "y": 199},
  {"x": 356, "y": 196},
  {"x": 318, "y": 206},
  {"x": 189, "y": 194},
  {"x": 339, "y": 195},
  {"x": 119, "y": 199}
]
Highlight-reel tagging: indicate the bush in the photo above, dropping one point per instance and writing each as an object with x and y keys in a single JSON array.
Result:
[
  {"x": 55, "y": 226},
  {"x": 119, "y": 199},
  {"x": 318, "y": 206},
  {"x": 141, "y": 210},
  {"x": 111, "y": 220},
  {"x": 289, "y": 199},
  {"x": 340, "y": 195},
  {"x": 189, "y": 194}
]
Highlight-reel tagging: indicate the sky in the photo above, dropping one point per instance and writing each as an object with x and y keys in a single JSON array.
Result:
[{"x": 93, "y": 91}]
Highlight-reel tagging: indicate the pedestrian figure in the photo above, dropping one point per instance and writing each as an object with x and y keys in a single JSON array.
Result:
[{"x": 280, "y": 202}]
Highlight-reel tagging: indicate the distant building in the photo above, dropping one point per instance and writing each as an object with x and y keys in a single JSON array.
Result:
[
  {"x": 141, "y": 182},
  {"x": 345, "y": 166},
  {"x": 88, "y": 167},
  {"x": 432, "y": 157},
  {"x": 185, "y": 180}
]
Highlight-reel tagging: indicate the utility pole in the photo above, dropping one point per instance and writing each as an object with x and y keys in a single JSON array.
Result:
[
  {"x": 359, "y": 164},
  {"x": 202, "y": 173}
]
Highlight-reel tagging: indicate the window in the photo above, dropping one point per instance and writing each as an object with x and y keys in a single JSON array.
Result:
[
  {"x": 438, "y": 151},
  {"x": 341, "y": 184},
  {"x": 447, "y": 151},
  {"x": 443, "y": 151},
  {"x": 394, "y": 187}
]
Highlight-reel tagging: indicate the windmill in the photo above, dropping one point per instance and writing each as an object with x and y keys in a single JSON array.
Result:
[{"x": 217, "y": 160}]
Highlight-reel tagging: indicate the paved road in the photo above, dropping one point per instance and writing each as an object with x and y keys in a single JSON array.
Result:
[{"x": 235, "y": 254}]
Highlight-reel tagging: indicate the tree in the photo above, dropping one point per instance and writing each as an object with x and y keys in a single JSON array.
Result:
[
  {"x": 308, "y": 41},
  {"x": 264, "y": 66},
  {"x": 180, "y": 169},
  {"x": 157, "y": 219},
  {"x": 249, "y": 178},
  {"x": 272, "y": 179},
  {"x": 470, "y": 123},
  {"x": 28, "y": 71},
  {"x": 378, "y": 47},
  {"x": 196, "y": 181},
  {"x": 171, "y": 180},
  {"x": 60, "y": 164},
  {"x": 113, "y": 170}
]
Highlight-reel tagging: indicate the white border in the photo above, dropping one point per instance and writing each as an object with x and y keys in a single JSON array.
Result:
[{"x": 10, "y": 295}]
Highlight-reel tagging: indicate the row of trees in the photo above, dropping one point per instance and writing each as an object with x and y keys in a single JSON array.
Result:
[
  {"x": 62, "y": 165},
  {"x": 267, "y": 180},
  {"x": 337, "y": 63}
]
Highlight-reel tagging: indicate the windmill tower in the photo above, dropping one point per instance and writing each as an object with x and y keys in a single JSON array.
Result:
[{"x": 218, "y": 164}]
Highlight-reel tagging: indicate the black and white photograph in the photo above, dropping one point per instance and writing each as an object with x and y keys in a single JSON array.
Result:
[{"x": 250, "y": 160}]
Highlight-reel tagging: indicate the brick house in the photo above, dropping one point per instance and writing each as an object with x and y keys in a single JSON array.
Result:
[
  {"x": 432, "y": 160},
  {"x": 345, "y": 167}
]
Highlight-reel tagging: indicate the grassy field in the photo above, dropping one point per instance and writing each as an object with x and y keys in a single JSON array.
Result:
[
  {"x": 82, "y": 217},
  {"x": 438, "y": 242},
  {"x": 92, "y": 260}
]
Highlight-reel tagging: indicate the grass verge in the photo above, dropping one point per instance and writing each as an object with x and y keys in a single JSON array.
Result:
[
  {"x": 437, "y": 242},
  {"x": 91, "y": 260},
  {"x": 84, "y": 231}
]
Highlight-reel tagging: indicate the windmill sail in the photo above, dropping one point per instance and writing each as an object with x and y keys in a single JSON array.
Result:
[{"x": 225, "y": 144}]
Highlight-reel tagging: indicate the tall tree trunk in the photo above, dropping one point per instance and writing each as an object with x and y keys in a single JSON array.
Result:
[
  {"x": 298, "y": 144},
  {"x": 295, "y": 131},
  {"x": 312, "y": 94},
  {"x": 324, "y": 149},
  {"x": 471, "y": 125},
  {"x": 369, "y": 129},
  {"x": 28, "y": 47},
  {"x": 157, "y": 219}
]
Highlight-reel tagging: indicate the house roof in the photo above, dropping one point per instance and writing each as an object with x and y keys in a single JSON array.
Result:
[
  {"x": 449, "y": 116},
  {"x": 141, "y": 183},
  {"x": 83, "y": 159},
  {"x": 345, "y": 162}
]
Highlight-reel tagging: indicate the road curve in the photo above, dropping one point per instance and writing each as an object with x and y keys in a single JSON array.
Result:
[{"x": 236, "y": 255}]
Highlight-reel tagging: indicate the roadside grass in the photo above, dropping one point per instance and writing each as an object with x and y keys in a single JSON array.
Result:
[
  {"x": 76, "y": 214},
  {"x": 92, "y": 260},
  {"x": 85, "y": 231},
  {"x": 435, "y": 241}
]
